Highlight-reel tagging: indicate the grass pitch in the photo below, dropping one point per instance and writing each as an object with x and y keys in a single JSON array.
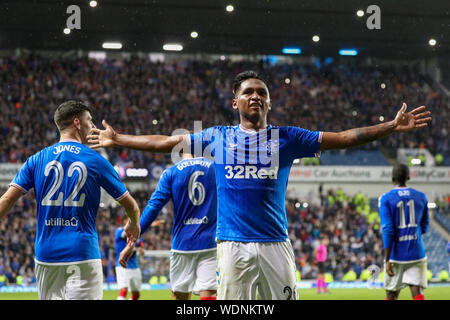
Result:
[{"x": 431, "y": 293}]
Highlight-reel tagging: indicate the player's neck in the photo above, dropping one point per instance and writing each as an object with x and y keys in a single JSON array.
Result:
[
  {"x": 69, "y": 137},
  {"x": 253, "y": 125}
]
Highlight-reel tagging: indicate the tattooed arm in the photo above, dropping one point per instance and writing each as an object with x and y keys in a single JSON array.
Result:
[{"x": 403, "y": 122}]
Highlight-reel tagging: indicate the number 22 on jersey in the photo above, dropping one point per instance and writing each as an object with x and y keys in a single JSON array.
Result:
[{"x": 59, "y": 176}]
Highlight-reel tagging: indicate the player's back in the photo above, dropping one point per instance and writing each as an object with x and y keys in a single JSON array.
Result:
[
  {"x": 66, "y": 178},
  {"x": 194, "y": 195},
  {"x": 404, "y": 218}
]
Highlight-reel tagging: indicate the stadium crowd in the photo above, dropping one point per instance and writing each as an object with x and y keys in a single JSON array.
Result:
[
  {"x": 349, "y": 223},
  {"x": 138, "y": 96},
  {"x": 354, "y": 241}
]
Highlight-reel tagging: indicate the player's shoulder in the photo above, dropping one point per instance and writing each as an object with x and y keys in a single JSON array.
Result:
[
  {"x": 291, "y": 130},
  {"x": 41, "y": 155},
  {"x": 388, "y": 195},
  {"x": 223, "y": 129},
  {"x": 418, "y": 194}
]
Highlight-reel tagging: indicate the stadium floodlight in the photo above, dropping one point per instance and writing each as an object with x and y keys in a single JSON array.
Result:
[
  {"x": 66, "y": 31},
  {"x": 305, "y": 204},
  {"x": 155, "y": 122},
  {"x": 291, "y": 50},
  {"x": 97, "y": 55},
  {"x": 229, "y": 8},
  {"x": 348, "y": 52},
  {"x": 194, "y": 34},
  {"x": 316, "y": 38},
  {"x": 172, "y": 47},
  {"x": 383, "y": 86},
  {"x": 416, "y": 161},
  {"x": 381, "y": 118},
  {"x": 112, "y": 45},
  {"x": 360, "y": 13},
  {"x": 287, "y": 80},
  {"x": 93, "y": 3},
  {"x": 432, "y": 42}
]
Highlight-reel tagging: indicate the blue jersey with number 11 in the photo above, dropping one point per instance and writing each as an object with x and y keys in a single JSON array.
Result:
[
  {"x": 66, "y": 178},
  {"x": 404, "y": 218}
]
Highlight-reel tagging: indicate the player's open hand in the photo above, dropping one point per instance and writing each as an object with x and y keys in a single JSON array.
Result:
[
  {"x": 102, "y": 138},
  {"x": 417, "y": 118},
  {"x": 126, "y": 254}
]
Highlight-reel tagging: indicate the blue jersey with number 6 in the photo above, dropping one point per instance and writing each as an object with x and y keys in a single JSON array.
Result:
[
  {"x": 66, "y": 178},
  {"x": 404, "y": 218},
  {"x": 191, "y": 184}
]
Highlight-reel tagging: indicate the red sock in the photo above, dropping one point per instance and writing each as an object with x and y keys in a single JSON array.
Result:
[
  {"x": 419, "y": 297},
  {"x": 208, "y": 298},
  {"x": 123, "y": 292},
  {"x": 135, "y": 295},
  {"x": 386, "y": 298}
]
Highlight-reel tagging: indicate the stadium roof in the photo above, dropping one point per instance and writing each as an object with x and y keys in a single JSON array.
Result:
[{"x": 254, "y": 27}]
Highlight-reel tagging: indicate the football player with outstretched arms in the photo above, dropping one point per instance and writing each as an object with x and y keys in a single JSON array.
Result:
[{"x": 252, "y": 162}]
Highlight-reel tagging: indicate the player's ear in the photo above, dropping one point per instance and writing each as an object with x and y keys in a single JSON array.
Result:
[
  {"x": 234, "y": 104},
  {"x": 77, "y": 123}
]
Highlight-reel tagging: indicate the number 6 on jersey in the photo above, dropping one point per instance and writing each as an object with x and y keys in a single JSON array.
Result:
[{"x": 196, "y": 185}]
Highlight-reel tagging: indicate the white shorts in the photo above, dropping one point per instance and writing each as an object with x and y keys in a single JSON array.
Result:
[
  {"x": 129, "y": 278},
  {"x": 406, "y": 274},
  {"x": 193, "y": 272},
  {"x": 80, "y": 281},
  {"x": 250, "y": 270}
]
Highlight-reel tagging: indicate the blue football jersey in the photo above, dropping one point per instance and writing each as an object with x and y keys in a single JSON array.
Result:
[
  {"x": 120, "y": 239},
  {"x": 252, "y": 171},
  {"x": 66, "y": 178},
  {"x": 191, "y": 185},
  {"x": 404, "y": 218}
]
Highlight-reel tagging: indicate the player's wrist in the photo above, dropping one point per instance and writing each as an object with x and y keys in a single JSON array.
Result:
[
  {"x": 391, "y": 126},
  {"x": 116, "y": 139}
]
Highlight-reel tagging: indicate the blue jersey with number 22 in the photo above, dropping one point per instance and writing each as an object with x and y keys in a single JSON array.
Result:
[{"x": 66, "y": 178}]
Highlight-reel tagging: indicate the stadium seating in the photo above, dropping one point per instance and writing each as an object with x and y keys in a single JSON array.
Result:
[
  {"x": 174, "y": 94},
  {"x": 436, "y": 249},
  {"x": 443, "y": 219}
]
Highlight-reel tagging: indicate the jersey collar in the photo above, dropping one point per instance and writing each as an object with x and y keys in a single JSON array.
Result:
[{"x": 251, "y": 131}]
